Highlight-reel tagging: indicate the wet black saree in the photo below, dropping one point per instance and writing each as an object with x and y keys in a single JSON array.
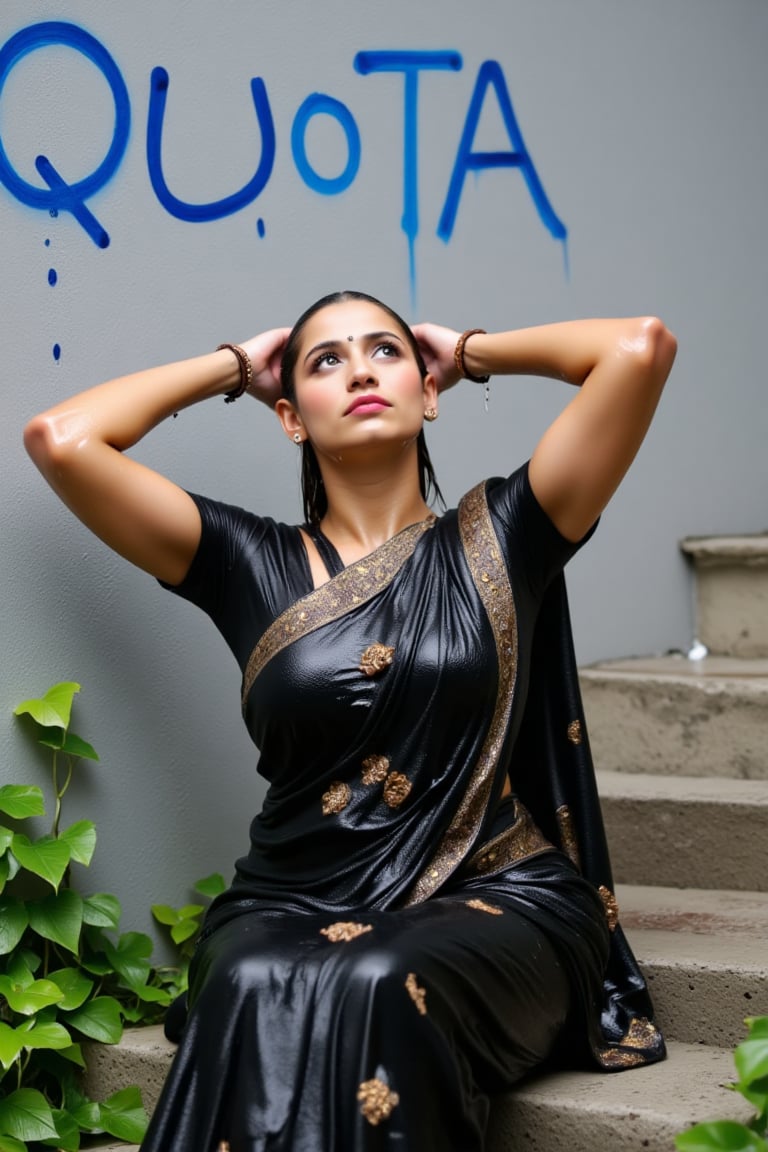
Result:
[{"x": 401, "y": 941}]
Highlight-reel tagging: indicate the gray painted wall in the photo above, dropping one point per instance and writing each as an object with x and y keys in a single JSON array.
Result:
[{"x": 646, "y": 125}]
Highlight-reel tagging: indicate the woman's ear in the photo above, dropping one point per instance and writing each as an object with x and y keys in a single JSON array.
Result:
[
  {"x": 430, "y": 391},
  {"x": 290, "y": 419}
]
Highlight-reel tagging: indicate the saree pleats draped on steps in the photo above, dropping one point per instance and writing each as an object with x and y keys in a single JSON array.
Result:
[{"x": 402, "y": 940}]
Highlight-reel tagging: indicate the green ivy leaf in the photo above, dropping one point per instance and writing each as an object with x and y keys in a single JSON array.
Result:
[
  {"x": 102, "y": 910},
  {"x": 73, "y": 1053},
  {"x": 99, "y": 1019},
  {"x": 751, "y": 1059},
  {"x": 184, "y": 930},
  {"x": 47, "y": 857},
  {"x": 19, "y": 970},
  {"x": 130, "y": 958},
  {"x": 59, "y": 918},
  {"x": 74, "y": 986},
  {"x": 212, "y": 885},
  {"x": 6, "y": 839},
  {"x": 5, "y": 870},
  {"x": 47, "y": 1036},
  {"x": 52, "y": 710},
  {"x": 11, "y": 1043},
  {"x": 8, "y": 1144},
  {"x": 67, "y": 1132},
  {"x": 123, "y": 1115},
  {"x": 758, "y": 1027},
  {"x": 87, "y": 1114},
  {"x": 81, "y": 839},
  {"x": 13, "y": 923},
  {"x": 26, "y": 1115},
  {"x": 76, "y": 746},
  {"x": 720, "y": 1136},
  {"x": 151, "y": 995},
  {"x": 70, "y": 744},
  {"x": 164, "y": 914},
  {"x": 21, "y": 800},
  {"x": 30, "y": 999}
]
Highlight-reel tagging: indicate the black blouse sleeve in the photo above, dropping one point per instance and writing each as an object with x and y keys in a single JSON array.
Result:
[
  {"x": 534, "y": 546},
  {"x": 235, "y": 576}
]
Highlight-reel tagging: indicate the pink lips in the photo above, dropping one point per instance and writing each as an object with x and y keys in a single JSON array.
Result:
[{"x": 370, "y": 403}]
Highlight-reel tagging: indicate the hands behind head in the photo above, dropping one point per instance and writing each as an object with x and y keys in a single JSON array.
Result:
[
  {"x": 437, "y": 345},
  {"x": 266, "y": 355}
]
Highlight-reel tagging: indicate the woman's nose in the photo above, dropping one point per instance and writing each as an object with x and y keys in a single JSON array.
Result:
[{"x": 361, "y": 372}]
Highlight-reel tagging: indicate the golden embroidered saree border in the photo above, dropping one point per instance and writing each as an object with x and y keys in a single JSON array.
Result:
[
  {"x": 520, "y": 841},
  {"x": 486, "y": 564},
  {"x": 354, "y": 586}
]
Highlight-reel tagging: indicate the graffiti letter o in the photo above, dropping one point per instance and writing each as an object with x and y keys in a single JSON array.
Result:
[
  {"x": 314, "y": 105},
  {"x": 41, "y": 36}
]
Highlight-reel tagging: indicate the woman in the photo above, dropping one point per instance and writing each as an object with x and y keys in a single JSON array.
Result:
[{"x": 406, "y": 935}]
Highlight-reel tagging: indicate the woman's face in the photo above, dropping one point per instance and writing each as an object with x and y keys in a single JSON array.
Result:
[{"x": 357, "y": 383}]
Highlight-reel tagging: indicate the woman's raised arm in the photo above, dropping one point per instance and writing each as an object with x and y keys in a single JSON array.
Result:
[
  {"x": 620, "y": 367},
  {"x": 79, "y": 447}
]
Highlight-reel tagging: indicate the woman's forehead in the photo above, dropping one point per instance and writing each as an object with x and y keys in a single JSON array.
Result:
[{"x": 353, "y": 318}]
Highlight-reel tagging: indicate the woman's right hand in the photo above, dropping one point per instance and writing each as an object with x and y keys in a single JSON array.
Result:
[{"x": 265, "y": 352}]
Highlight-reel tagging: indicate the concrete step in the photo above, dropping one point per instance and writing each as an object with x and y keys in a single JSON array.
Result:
[
  {"x": 685, "y": 831},
  {"x": 705, "y": 957},
  {"x": 671, "y": 715},
  {"x": 635, "y": 1111},
  {"x": 731, "y": 593}
]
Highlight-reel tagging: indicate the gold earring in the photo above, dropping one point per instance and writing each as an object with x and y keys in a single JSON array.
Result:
[
  {"x": 430, "y": 414},
  {"x": 297, "y": 437}
]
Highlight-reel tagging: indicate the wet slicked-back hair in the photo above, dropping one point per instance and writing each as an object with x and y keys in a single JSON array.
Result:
[{"x": 312, "y": 487}]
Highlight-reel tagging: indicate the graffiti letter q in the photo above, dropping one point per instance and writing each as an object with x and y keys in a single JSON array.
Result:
[{"x": 59, "y": 195}]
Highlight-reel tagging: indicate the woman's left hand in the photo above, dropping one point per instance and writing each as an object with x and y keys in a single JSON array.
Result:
[{"x": 437, "y": 345}]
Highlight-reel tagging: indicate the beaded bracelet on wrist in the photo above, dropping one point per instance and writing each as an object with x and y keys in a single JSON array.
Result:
[
  {"x": 246, "y": 371},
  {"x": 458, "y": 356}
]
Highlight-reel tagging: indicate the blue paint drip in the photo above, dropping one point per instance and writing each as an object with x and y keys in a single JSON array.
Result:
[
  {"x": 53, "y": 212},
  {"x": 201, "y": 213},
  {"x": 260, "y": 228},
  {"x": 315, "y": 105},
  {"x": 47, "y": 243},
  {"x": 60, "y": 195},
  {"x": 57, "y": 352},
  {"x": 72, "y": 202},
  {"x": 410, "y": 63},
  {"x": 52, "y": 277},
  {"x": 491, "y": 75}
]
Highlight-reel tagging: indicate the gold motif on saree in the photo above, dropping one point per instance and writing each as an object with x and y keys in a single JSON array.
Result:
[
  {"x": 519, "y": 841},
  {"x": 482, "y": 906},
  {"x": 376, "y": 1100},
  {"x": 336, "y": 798},
  {"x": 417, "y": 994},
  {"x": 396, "y": 789},
  {"x": 641, "y": 1036},
  {"x": 574, "y": 731},
  {"x": 375, "y": 769},
  {"x": 345, "y": 930},
  {"x": 376, "y": 658},
  {"x": 486, "y": 563},
  {"x": 611, "y": 905},
  {"x": 354, "y": 586},
  {"x": 568, "y": 841}
]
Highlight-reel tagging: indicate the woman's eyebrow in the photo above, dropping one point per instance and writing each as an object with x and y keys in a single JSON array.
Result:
[{"x": 331, "y": 345}]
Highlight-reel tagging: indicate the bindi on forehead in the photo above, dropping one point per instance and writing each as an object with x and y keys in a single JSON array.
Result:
[{"x": 350, "y": 338}]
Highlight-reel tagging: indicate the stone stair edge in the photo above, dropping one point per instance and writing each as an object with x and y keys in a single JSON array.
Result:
[
  {"x": 638, "y": 1110},
  {"x": 731, "y": 547}
]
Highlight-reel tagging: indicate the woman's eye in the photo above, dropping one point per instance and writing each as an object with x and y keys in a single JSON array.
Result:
[
  {"x": 326, "y": 358},
  {"x": 387, "y": 350}
]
